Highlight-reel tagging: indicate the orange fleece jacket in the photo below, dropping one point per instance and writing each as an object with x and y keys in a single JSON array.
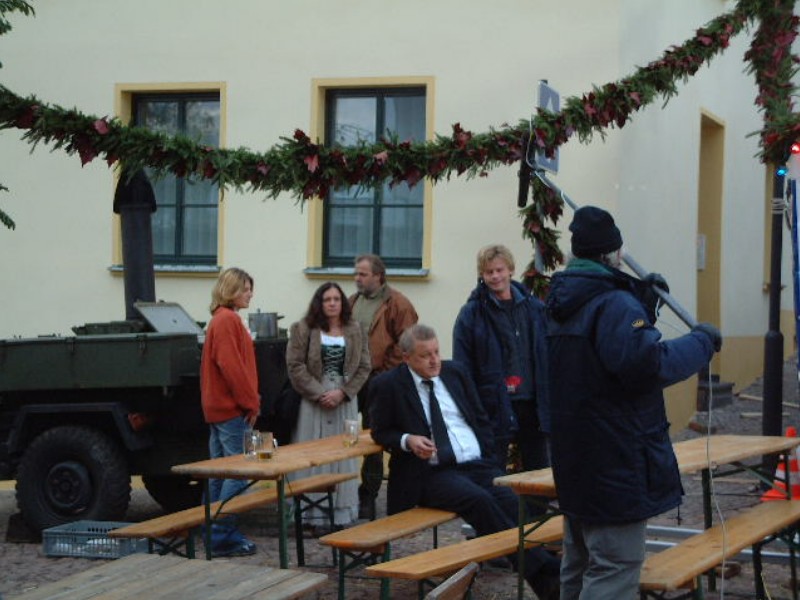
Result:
[{"x": 228, "y": 376}]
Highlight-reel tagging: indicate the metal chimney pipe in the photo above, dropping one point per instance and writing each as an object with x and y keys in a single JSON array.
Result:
[{"x": 134, "y": 202}]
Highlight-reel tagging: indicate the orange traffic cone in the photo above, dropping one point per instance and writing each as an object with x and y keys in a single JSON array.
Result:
[{"x": 778, "y": 490}]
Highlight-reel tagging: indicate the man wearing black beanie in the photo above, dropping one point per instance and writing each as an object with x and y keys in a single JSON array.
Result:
[{"x": 609, "y": 429}]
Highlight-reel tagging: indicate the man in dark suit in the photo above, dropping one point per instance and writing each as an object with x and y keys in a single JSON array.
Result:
[{"x": 413, "y": 402}]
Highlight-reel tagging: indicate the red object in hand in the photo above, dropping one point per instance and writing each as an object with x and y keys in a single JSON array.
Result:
[{"x": 512, "y": 383}]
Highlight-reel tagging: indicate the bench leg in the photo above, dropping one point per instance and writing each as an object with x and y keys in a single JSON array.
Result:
[
  {"x": 757, "y": 572},
  {"x": 386, "y": 592},
  {"x": 298, "y": 533},
  {"x": 303, "y": 503},
  {"x": 793, "y": 533},
  {"x": 207, "y": 503}
]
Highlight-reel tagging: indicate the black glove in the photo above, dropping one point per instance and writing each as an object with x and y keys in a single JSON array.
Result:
[
  {"x": 657, "y": 280},
  {"x": 649, "y": 297},
  {"x": 712, "y": 332}
]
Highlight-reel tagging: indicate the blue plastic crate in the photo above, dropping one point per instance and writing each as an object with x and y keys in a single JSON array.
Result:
[{"x": 89, "y": 539}]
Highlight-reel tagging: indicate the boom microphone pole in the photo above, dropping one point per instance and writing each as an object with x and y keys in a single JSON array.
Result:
[{"x": 634, "y": 266}]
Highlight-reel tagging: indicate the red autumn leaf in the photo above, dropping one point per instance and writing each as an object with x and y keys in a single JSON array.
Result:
[
  {"x": 86, "y": 151},
  {"x": 412, "y": 176},
  {"x": 300, "y": 136},
  {"x": 705, "y": 40},
  {"x": 312, "y": 162},
  {"x": 381, "y": 157},
  {"x": 209, "y": 170},
  {"x": 636, "y": 98},
  {"x": 101, "y": 126},
  {"x": 27, "y": 118},
  {"x": 263, "y": 169}
]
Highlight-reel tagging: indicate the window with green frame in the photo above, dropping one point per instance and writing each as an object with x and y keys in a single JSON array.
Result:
[
  {"x": 388, "y": 220},
  {"x": 186, "y": 221}
]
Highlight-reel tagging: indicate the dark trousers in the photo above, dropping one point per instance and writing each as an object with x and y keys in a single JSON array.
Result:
[
  {"x": 468, "y": 489},
  {"x": 372, "y": 467},
  {"x": 532, "y": 444}
]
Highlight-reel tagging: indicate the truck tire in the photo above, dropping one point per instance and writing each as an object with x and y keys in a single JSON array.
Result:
[
  {"x": 69, "y": 473},
  {"x": 174, "y": 492}
]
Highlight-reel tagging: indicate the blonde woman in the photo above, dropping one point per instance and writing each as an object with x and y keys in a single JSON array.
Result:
[{"x": 229, "y": 395}]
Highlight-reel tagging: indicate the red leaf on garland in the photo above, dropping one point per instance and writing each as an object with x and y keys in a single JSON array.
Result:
[
  {"x": 300, "y": 136},
  {"x": 209, "y": 170},
  {"x": 705, "y": 40},
  {"x": 85, "y": 149},
  {"x": 263, "y": 169},
  {"x": 381, "y": 157},
  {"x": 412, "y": 176},
  {"x": 312, "y": 162},
  {"x": 28, "y": 117},
  {"x": 101, "y": 126}
]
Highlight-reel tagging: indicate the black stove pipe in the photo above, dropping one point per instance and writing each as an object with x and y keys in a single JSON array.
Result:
[{"x": 134, "y": 202}]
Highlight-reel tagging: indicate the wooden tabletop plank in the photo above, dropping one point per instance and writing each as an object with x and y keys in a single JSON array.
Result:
[
  {"x": 287, "y": 459},
  {"x": 693, "y": 455},
  {"x": 70, "y": 587},
  {"x": 151, "y": 576}
]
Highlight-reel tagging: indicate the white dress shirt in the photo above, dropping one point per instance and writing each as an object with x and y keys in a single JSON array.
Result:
[{"x": 462, "y": 438}]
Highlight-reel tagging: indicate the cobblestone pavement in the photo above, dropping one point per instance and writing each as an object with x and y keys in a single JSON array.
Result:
[{"x": 23, "y": 566}]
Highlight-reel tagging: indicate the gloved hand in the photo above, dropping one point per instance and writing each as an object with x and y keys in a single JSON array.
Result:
[
  {"x": 650, "y": 298},
  {"x": 712, "y": 332},
  {"x": 657, "y": 280}
]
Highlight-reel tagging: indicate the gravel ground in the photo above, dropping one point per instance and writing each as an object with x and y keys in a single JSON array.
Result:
[{"x": 23, "y": 566}]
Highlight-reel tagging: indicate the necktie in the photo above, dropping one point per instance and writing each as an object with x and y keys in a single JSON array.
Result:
[{"x": 444, "y": 451}]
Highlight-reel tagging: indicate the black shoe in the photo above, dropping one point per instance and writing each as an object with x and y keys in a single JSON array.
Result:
[{"x": 366, "y": 510}]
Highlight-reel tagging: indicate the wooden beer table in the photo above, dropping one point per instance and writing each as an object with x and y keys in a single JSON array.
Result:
[
  {"x": 139, "y": 576},
  {"x": 286, "y": 459},
  {"x": 704, "y": 454}
]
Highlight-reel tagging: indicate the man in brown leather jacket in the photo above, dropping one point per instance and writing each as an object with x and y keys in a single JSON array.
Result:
[{"x": 384, "y": 313}]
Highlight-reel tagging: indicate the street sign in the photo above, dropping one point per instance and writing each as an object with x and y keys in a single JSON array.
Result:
[{"x": 548, "y": 100}]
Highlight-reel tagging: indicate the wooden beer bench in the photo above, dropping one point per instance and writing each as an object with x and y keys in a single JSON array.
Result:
[
  {"x": 681, "y": 566},
  {"x": 444, "y": 561},
  {"x": 369, "y": 542},
  {"x": 169, "y": 533}
]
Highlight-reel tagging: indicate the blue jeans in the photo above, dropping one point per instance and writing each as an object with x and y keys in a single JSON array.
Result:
[{"x": 226, "y": 439}]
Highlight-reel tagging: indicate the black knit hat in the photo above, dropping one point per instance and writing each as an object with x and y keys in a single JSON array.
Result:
[{"x": 594, "y": 232}]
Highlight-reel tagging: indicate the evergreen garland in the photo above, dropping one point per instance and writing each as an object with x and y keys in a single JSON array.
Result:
[{"x": 306, "y": 169}]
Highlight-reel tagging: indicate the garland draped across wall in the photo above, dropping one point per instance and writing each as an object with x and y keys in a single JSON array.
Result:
[{"x": 306, "y": 169}]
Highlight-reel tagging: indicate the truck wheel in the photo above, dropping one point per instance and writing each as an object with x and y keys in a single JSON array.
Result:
[
  {"x": 174, "y": 492},
  {"x": 70, "y": 473}
]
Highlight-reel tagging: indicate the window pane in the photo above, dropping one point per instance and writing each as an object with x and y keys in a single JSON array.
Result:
[
  {"x": 200, "y": 191},
  {"x": 353, "y": 195},
  {"x": 202, "y": 122},
  {"x": 355, "y": 121},
  {"x": 163, "y": 221},
  {"x": 200, "y": 231},
  {"x": 401, "y": 232},
  {"x": 349, "y": 231},
  {"x": 158, "y": 115},
  {"x": 405, "y": 116},
  {"x": 165, "y": 188},
  {"x": 402, "y": 194}
]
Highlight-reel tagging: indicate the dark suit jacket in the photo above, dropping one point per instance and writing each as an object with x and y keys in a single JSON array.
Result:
[{"x": 397, "y": 409}]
